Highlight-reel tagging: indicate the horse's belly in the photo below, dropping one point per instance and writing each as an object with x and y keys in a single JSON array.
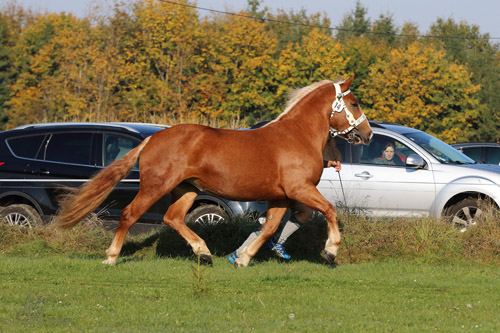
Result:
[{"x": 241, "y": 189}]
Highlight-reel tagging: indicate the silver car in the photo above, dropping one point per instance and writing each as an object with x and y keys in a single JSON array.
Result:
[{"x": 425, "y": 177}]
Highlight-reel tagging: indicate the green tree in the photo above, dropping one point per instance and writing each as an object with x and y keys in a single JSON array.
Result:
[
  {"x": 354, "y": 24},
  {"x": 253, "y": 9},
  {"x": 293, "y": 26},
  {"x": 409, "y": 34},
  {"x": 465, "y": 44},
  {"x": 383, "y": 29},
  {"x": 419, "y": 87}
]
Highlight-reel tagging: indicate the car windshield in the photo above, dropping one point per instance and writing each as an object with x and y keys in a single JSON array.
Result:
[{"x": 437, "y": 148}]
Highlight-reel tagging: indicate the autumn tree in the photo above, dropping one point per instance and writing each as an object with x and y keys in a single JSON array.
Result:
[
  {"x": 319, "y": 57},
  {"x": 6, "y": 71},
  {"x": 420, "y": 88},
  {"x": 37, "y": 92},
  {"x": 236, "y": 69},
  {"x": 68, "y": 74},
  {"x": 361, "y": 53},
  {"x": 169, "y": 36}
]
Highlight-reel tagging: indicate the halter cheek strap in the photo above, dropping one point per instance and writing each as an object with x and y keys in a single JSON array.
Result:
[{"x": 338, "y": 105}]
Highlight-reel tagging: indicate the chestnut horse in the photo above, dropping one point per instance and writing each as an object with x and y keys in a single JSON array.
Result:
[{"x": 279, "y": 162}]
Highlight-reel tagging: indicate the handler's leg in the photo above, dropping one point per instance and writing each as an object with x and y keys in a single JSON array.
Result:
[
  {"x": 275, "y": 213},
  {"x": 277, "y": 242}
]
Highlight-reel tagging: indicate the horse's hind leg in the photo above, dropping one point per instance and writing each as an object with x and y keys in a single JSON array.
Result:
[
  {"x": 275, "y": 213},
  {"x": 130, "y": 214},
  {"x": 176, "y": 213}
]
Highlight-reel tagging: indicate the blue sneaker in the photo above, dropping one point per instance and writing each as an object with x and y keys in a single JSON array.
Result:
[
  {"x": 232, "y": 257},
  {"x": 279, "y": 249}
]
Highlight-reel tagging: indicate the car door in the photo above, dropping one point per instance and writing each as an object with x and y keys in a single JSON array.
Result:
[
  {"x": 64, "y": 159},
  {"x": 389, "y": 189},
  {"x": 114, "y": 146}
]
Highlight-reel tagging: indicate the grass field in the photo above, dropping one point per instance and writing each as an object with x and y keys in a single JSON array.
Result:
[{"x": 416, "y": 275}]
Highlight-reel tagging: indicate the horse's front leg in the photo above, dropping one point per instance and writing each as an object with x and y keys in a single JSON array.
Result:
[
  {"x": 275, "y": 212},
  {"x": 310, "y": 196}
]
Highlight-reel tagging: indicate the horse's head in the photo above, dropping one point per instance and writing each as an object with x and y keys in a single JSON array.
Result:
[{"x": 347, "y": 120}]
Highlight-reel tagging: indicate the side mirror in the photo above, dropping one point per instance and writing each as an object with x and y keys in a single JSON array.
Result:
[{"x": 414, "y": 161}]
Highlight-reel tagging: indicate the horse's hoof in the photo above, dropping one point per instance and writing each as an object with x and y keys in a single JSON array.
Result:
[
  {"x": 206, "y": 259},
  {"x": 328, "y": 257},
  {"x": 237, "y": 264},
  {"x": 108, "y": 262}
]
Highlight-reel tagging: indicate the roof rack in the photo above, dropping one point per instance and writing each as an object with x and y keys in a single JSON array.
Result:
[
  {"x": 377, "y": 123},
  {"x": 121, "y": 125}
]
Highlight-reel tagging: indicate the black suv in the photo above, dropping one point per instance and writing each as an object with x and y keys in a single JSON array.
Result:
[
  {"x": 38, "y": 161},
  {"x": 484, "y": 153}
]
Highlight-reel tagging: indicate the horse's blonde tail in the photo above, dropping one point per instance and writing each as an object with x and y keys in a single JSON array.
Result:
[{"x": 76, "y": 205}]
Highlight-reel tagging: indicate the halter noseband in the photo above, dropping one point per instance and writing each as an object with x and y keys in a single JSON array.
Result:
[{"x": 337, "y": 106}]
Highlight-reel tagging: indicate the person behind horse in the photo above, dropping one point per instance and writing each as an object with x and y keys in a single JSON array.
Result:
[
  {"x": 389, "y": 156},
  {"x": 301, "y": 215}
]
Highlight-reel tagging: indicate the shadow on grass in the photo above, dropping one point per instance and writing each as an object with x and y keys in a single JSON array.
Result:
[{"x": 222, "y": 239}]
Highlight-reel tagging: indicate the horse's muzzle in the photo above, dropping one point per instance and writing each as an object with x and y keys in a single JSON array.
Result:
[{"x": 356, "y": 137}]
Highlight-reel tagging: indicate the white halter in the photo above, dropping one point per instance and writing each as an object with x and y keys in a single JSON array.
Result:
[{"x": 337, "y": 106}]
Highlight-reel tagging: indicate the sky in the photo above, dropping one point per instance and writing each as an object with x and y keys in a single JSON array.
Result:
[{"x": 484, "y": 13}]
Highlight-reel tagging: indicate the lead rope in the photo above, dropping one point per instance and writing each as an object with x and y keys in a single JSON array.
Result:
[
  {"x": 342, "y": 187},
  {"x": 346, "y": 241}
]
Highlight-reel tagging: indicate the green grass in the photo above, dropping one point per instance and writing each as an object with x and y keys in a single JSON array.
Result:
[
  {"x": 160, "y": 294},
  {"x": 393, "y": 275}
]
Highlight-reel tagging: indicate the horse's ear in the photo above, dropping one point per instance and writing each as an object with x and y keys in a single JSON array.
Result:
[{"x": 347, "y": 83}]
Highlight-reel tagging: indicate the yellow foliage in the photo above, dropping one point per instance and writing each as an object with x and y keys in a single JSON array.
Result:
[
  {"x": 419, "y": 87},
  {"x": 159, "y": 62}
]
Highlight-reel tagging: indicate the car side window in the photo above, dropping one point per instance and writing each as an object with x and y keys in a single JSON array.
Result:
[
  {"x": 336, "y": 149},
  {"x": 26, "y": 146},
  {"x": 473, "y": 152},
  {"x": 69, "y": 148},
  {"x": 492, "y": 155},
  {"x": 382, "y": 150},
  {"x": 116, "y": 146}
]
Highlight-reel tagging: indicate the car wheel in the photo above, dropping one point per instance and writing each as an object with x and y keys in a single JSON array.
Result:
[
  {"x": 20, "y": 215},
  {"x": 207, "y": 215},
  {"x": 465, "y": 213}
]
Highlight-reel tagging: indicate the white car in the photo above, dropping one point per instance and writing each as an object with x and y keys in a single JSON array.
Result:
[{"x": 428, "y": 177}]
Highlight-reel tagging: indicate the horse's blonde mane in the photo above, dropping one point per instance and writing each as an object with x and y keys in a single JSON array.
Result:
[{"x": 296, "y": 95}]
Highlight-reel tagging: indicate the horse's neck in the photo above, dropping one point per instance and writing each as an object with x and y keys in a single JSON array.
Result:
[{"x": 306, "y": 115}]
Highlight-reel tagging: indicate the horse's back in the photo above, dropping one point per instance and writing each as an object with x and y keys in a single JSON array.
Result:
[{"x": 236, "y": 164}]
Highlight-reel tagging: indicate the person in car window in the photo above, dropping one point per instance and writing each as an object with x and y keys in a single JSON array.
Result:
[
  {"x": 302, "y": 213},
  {"x": 389, "y": 156}
]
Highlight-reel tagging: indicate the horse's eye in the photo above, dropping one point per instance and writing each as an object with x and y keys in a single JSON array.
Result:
[{"x": 355, "y": 105}]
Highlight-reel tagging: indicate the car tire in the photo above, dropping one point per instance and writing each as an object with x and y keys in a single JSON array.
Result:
[
  {"x": 20, "y": 215},
  {"x": 207, "y": 215},
  {"x": 465, "y": 213}
]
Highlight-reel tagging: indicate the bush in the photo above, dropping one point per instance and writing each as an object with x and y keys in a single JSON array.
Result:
[{"x": 363, "y": 239}]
